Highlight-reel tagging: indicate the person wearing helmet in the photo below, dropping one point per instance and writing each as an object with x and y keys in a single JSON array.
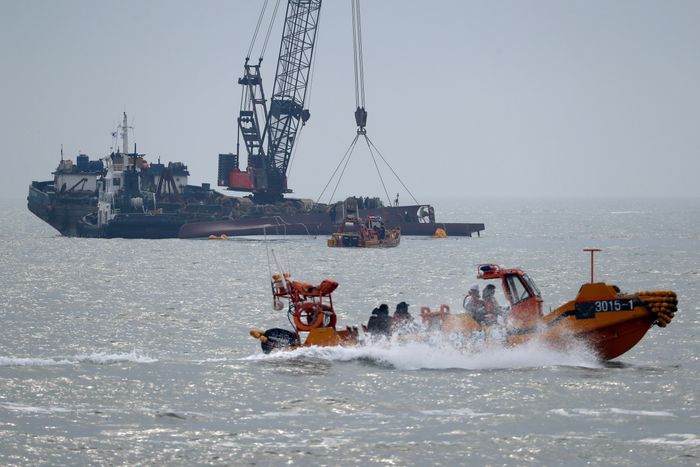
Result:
[{"x": 473, "y": 304}]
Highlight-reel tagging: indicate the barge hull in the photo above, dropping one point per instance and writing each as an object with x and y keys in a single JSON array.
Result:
[{"x": 278, "y": 226}]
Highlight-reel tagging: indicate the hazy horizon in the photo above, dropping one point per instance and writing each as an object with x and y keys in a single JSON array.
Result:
[{"x": 534, "y": 99}]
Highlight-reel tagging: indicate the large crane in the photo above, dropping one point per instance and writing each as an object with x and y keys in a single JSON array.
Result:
[{"x": 269, "y": 133}]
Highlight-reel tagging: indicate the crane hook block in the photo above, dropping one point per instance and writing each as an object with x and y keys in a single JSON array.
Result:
[{"x": 361, "y": 117}]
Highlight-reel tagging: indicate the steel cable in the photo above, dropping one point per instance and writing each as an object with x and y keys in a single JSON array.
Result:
[
  {"x": 348, "y": 151},
  {"x": 392, "y": 170},
  {"x": 269, "y": 29},
  {"x": 381, "y": 179},
  {"x": 257, "y": 28}
]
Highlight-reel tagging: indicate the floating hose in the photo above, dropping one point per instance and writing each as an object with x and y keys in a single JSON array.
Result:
[{"x": 663, "y": 303}]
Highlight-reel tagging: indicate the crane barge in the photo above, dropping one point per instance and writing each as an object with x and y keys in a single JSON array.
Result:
[
  {"x": 123, "y": 195},
  {"x": 269, "y": 131}
]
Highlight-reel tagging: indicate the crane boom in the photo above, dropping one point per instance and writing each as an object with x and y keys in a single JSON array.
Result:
[{"x": 270, "y": 150}]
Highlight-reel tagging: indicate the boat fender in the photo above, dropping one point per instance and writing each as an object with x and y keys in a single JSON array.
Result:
[
  {"x": 258, "y": 334},
  {"x": 662, "y": 303}
]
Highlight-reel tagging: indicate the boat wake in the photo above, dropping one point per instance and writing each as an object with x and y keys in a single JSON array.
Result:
[
  {"x": 444, "y": 356},
  {"x": 98, "y": 358}
]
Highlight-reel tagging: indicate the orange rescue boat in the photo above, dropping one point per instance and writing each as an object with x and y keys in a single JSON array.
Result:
[{"x": 610, "y": 321}]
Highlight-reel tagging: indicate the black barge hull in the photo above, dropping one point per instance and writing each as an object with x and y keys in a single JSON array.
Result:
[
  {"x": 67, "y": 213},
  {"x": 260, "y": 227},
  {"x": 63, "y": 212},
  {"x": 323, "y": 224}
]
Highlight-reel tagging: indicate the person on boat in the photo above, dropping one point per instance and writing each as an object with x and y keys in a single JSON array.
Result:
[
  {"x": 473, "y": 304},
  {"x": 401, "y": 316},
  {"x": 380, "y": 321},
  {"x": 491, "y": 307}
]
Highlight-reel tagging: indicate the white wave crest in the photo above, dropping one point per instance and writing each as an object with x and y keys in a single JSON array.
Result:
[
  {"x": 679, "y": 439},
  {"x": 32, "y": 409},
  {"x": 442, "y": 355},
  {"x": 608, "y": 412},
  {"x": 97, "y": 358}
]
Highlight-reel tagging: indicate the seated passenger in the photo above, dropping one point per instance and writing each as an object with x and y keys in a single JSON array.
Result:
[
  {"x": 402, "y": 317},
  {"x": 380, "y": 322},
  {"x": 491, "y": 307},
  {"x": 473, "y": 304}
]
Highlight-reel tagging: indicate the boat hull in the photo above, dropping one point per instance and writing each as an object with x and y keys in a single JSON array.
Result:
[
  {"x": 608, "y": 341},
  {"x": 322, "y": 224},
  {"x": 65, "y": 212},
  {"x": 133, "y": 226}
]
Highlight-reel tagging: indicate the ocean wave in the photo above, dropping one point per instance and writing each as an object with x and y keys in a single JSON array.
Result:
[
  {"x": 609, "y": 411},
  {"x": 441, "y": 355},
  {"x": 33, "y": 409},
  {"x": 463, "y": 412},
  {"x": 679, "y": 439},
  {"x": 97, "y": 358}
]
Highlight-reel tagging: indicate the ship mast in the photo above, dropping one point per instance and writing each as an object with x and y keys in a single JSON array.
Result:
[{"x": 125, "y": 136}]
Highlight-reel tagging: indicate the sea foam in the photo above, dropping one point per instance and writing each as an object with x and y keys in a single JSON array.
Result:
[
  {"x": 442, "y": 355},
  {"x": 97, "y": 358}
]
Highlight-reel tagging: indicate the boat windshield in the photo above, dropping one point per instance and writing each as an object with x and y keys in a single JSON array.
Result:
[
  {"x": 532, "y": 285},
  {"x": 518, "y": 290}
]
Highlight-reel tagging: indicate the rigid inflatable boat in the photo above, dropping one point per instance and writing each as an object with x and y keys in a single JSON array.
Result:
[{"x": 611, "y": 322}]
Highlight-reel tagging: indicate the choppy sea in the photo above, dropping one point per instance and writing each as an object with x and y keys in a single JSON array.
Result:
[{"x": 124, "y": 352}]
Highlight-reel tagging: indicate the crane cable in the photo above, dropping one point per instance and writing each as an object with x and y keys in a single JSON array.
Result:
[
  {"x": 379, "y": 172},
  {"x": 359, "y": 72},
  {"x": 357, "y": 55},
  {"x": 257, "y": 29},
  {"x": 348, "y": 153},
  {"x": 360, "y": 93},
  {"x": 269, "y": 29},
  {"x": 369, "y": 141}
]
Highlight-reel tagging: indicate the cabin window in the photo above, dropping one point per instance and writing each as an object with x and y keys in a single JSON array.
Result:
[
  {"x": 518, "y": 291},
  {"x": 115, "y": 181},
  {"x": 532, "y": 285}
]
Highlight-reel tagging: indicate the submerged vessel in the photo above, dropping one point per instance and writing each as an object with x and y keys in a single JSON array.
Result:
[{"x": 611, "y": 322}]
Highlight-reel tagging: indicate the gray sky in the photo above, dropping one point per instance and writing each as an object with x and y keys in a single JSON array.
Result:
[{"x": 465, "y": 98}]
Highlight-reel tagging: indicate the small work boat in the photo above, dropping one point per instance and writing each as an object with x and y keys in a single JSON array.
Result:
[
  {"x": 611, "y": 322},
  {"x": 368, "y": 232}
]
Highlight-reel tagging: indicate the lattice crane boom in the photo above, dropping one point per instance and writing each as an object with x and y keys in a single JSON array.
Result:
[{"x": 270, "y": 149}]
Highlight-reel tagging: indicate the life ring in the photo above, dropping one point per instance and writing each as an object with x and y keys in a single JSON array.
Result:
[{"x": 308, "y": 316}]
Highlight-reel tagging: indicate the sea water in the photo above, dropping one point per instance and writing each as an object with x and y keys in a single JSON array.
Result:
[{"x": 137, "y": 351}]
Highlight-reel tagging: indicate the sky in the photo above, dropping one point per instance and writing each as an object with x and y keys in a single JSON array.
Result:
[{"x": 578, "y": 98}]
